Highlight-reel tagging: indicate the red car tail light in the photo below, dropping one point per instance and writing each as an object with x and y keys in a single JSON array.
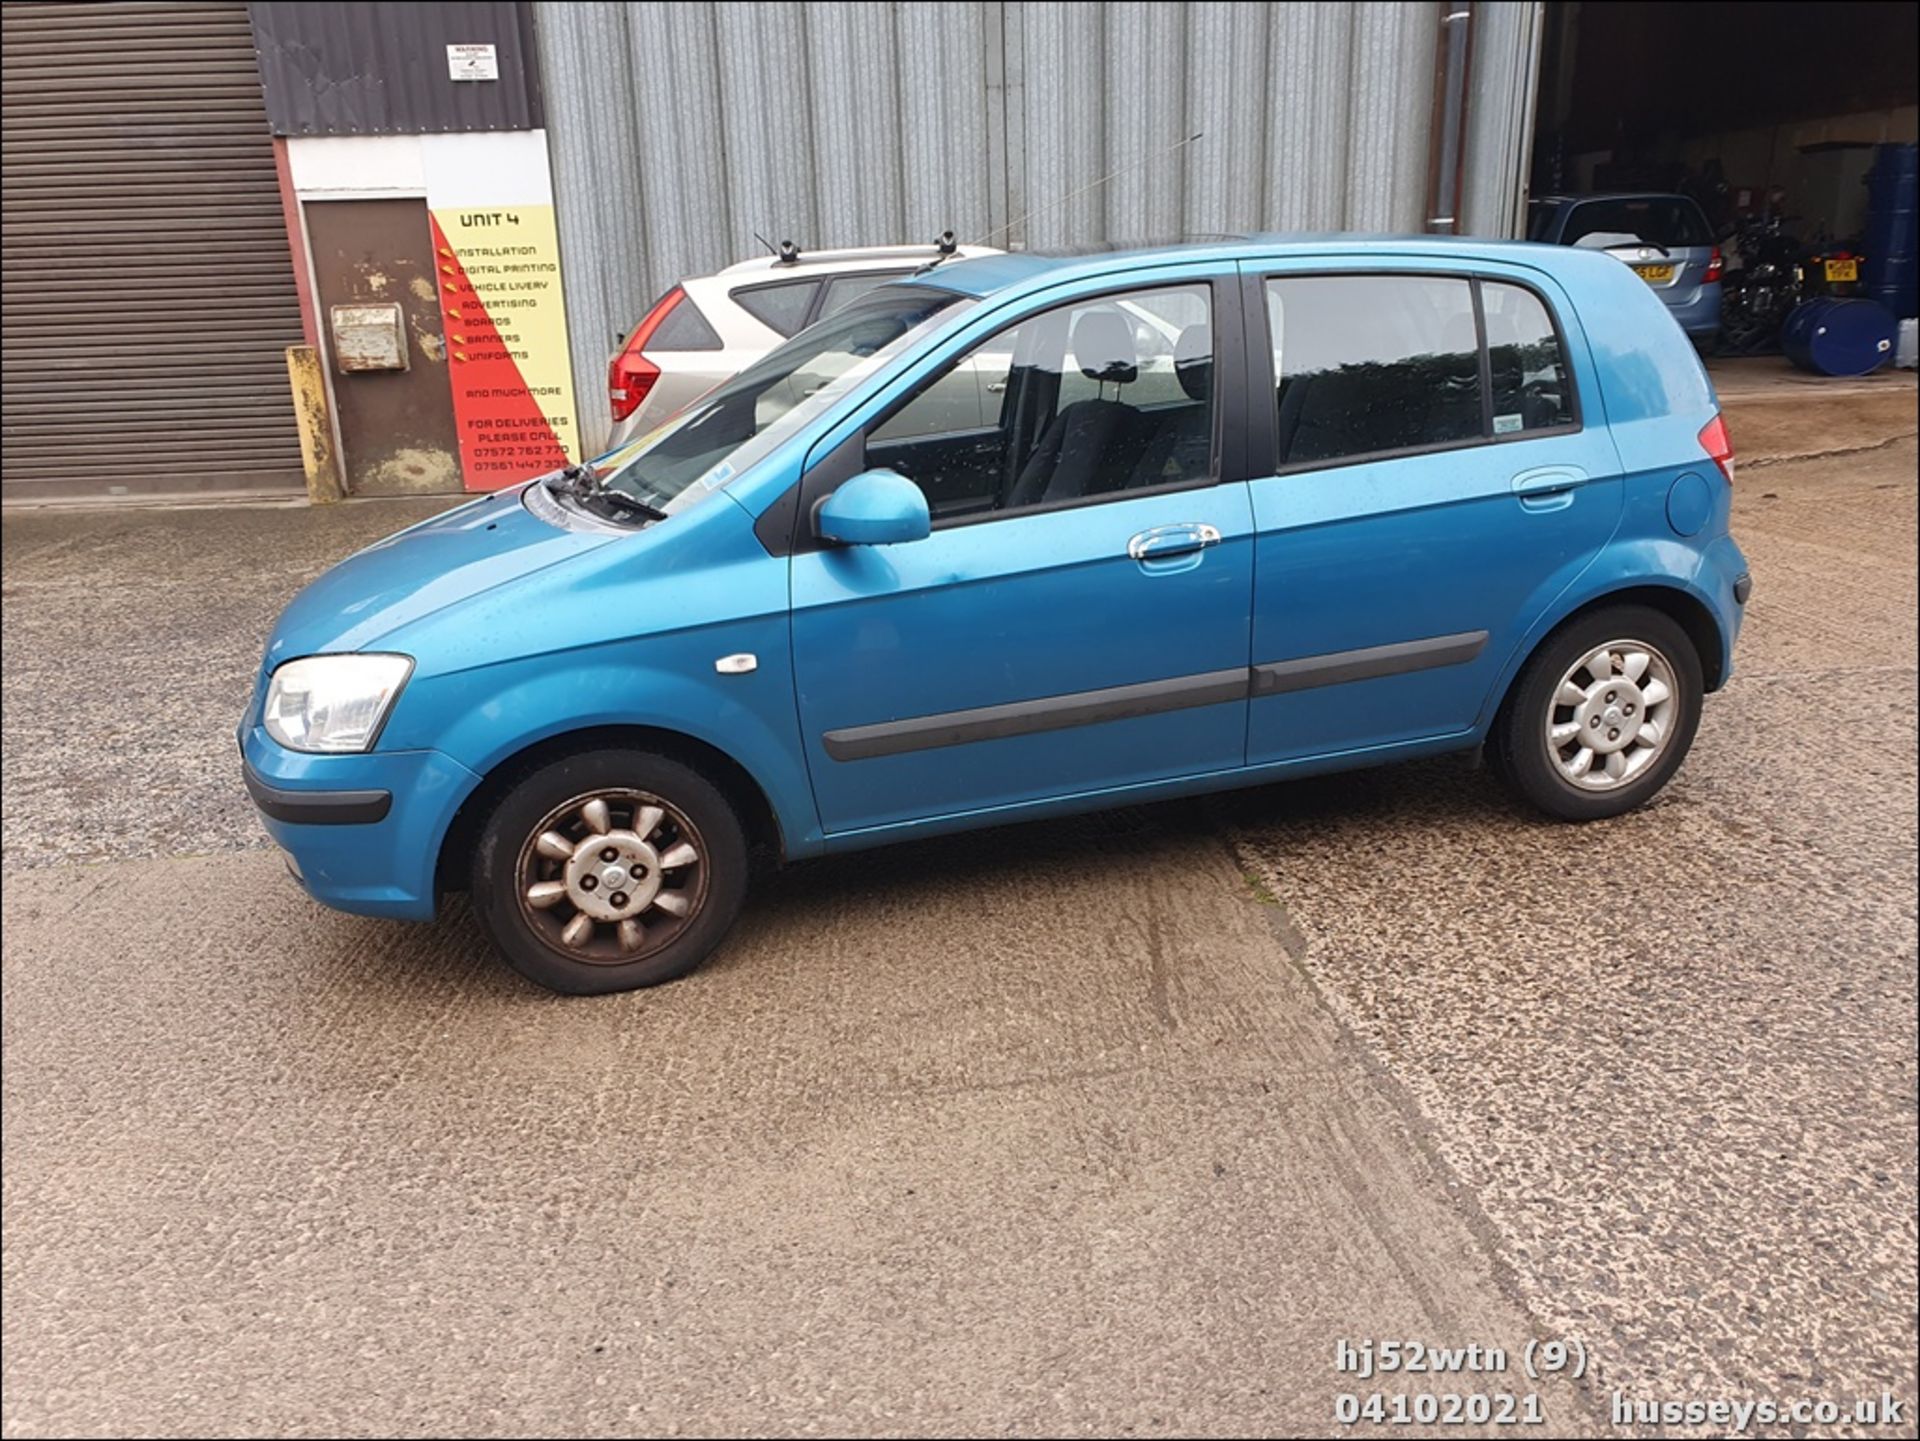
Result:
[
  {"x": 1713, "y": 440},
  {"x": 1715, "y": 263},
  {"x": 631, "y": 375}
]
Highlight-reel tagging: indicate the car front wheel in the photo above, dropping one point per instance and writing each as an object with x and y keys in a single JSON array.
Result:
[
  {"x": 1603, "y": 714},
  {"x": 608, "y": 870}
]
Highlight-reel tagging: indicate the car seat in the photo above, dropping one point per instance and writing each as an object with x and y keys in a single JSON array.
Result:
[{"x": 1091, "y": 445}]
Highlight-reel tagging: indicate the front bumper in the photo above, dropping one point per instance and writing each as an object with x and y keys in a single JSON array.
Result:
[{"x": 364, "y": 831}]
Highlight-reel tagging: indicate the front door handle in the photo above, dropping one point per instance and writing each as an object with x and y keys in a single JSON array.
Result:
[
  {"x": 1550, "y": 487},
  {"x": 1164, "y": 542}
]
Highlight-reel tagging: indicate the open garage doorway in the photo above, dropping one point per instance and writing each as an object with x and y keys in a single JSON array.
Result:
[{"x": 1767, "y": 117}]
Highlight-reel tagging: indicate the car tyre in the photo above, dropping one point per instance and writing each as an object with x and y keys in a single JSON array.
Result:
[
  {"x": 608, "y": 870},
  {"x": 1598, "y": 685}
]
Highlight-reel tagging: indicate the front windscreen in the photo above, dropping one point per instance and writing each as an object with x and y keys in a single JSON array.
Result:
[{"x": 739, "y": 422}]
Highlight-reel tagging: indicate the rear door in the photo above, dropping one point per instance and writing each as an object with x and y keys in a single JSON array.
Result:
[{"x": 1423, "y": 497}]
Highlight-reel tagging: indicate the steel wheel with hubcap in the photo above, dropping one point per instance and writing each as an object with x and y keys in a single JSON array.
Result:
[
  {"x": 1602, "y": 714},
  {"x": 609, "y": 870}
]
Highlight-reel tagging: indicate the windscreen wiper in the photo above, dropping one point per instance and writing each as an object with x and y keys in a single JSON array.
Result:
[
  {"x": 624, "y": 502},
  {"x": 577, "y": 481}
]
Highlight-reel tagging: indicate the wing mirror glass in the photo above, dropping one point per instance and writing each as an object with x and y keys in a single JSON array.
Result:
[{"x": 876, "y": 507}]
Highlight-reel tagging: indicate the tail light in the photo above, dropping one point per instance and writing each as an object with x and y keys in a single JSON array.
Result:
[
  {"x": 1713, "y": 440},
  {"x": 631, "y": 375},
  {"x": 1715, "y": 263}
]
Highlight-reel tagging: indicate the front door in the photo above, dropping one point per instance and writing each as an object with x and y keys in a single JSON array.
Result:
[
  {"x": 1078, "y": 619},
  {"x": 1436, "y": 484}
]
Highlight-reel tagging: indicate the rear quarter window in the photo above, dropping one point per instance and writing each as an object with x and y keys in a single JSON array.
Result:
[
  {"x": 1532, "y": 389},
  {"x": 684, "y": 328}
]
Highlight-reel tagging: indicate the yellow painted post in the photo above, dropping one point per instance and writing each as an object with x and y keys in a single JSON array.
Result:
[{"x": 317, "y": 455}]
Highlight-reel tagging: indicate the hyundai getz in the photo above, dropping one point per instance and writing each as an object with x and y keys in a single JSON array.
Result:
[{"x": 1015, "y": 537}]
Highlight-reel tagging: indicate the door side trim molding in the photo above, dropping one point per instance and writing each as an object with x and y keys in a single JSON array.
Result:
[
  {"x": 1028, "y": 717},
  {"x": 1154, "y": 697},
  {"x": 1277, "y": 677}
]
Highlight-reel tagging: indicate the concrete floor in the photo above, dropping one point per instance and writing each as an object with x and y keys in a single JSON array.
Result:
[{"x": 1113, "y": 1125}]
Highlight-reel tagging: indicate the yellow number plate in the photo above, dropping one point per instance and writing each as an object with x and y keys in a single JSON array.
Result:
[
  {"x": 1843, "y": 270},
  {"x": 1655, "y": 274}
]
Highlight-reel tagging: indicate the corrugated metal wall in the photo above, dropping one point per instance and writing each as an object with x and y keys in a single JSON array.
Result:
[
  {"x": 1506, "y": 78},
  {"x": 678, "y": 130},
  {"x": 368, "y": 67},
  {"x": 148, "y": 287}
]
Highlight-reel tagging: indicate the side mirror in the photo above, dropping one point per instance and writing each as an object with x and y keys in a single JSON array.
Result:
[{"x": 876, "y": 507}]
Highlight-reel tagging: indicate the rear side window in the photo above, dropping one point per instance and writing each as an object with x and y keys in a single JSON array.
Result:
[
  {"x": 683, "y": 327},
  {"x": 1531, "y": 387},
  {"x": 781, "y": 308},
  {"x": 1369, "y": 364},
  {"x": 1672, "y": 221},
  {"x": 843, "y": 289}
]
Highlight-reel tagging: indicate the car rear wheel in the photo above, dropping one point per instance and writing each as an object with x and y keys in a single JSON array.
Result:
[
  {"x": 1602, "y": 715},
  {"x": 609, "y": 870}
]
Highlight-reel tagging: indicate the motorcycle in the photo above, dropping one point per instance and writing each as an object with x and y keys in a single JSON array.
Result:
[
  {"x": 1758, "y": 294},
  {"x": 1776, "y": 273}
]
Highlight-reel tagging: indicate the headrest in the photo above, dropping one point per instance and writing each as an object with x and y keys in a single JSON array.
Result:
[
  {"x": 1103, "y": 347},
  {"x": 1193, "y": 360}
]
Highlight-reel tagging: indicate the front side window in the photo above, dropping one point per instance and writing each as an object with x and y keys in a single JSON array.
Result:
[
  {"x": 1093, "y": 399},
  {"x": 1366, "y": 364},
  {"x": 741, "y": 421}
]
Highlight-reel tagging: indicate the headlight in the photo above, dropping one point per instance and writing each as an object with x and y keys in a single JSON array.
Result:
[{"x": 333, "y": 702}]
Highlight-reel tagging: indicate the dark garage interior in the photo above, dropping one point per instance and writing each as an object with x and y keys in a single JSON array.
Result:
[{"x": 1748, "y": 107}]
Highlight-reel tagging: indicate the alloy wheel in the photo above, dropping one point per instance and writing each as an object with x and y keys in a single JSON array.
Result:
[
  {"x": 612, "y": 876},
  {"x": 1612, "y": 715}
]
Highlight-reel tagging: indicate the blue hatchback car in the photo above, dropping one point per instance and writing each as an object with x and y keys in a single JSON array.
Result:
[{"x": 1015, "y": 537}]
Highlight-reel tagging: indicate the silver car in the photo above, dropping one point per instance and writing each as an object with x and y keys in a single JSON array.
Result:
[
  {"x": 1665, "y": 238},
  {"x": 714, "y": 326}
]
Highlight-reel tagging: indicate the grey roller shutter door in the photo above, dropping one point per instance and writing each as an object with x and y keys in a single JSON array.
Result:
[{"x": 148, "y": 290}]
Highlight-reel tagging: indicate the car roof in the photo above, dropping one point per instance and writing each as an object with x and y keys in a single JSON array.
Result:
[
  {"x": 825, "y": 261},
  {"x": 1026, "y": 269}
]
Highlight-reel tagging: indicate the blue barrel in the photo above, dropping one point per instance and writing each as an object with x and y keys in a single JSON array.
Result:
[
  {"x": 1889, "y": 274},
  {"x": 1839, "y": 337}
]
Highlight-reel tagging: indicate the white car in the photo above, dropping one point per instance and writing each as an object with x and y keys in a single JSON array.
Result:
[{"x": 706, "y": 329}]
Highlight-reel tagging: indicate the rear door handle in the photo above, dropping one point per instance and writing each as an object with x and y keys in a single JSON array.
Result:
[
  {"x": 1550, "y": 487},
  {"x": 1164, "y": 542}
]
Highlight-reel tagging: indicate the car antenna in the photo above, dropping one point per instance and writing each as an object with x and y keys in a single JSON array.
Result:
[
  {"x": 772, "y": 249},
  {"x": 1091, "y": 185}
]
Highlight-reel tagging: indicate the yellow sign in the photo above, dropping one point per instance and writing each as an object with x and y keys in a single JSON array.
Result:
[{"x": 506, "y": 324}]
